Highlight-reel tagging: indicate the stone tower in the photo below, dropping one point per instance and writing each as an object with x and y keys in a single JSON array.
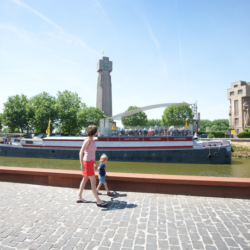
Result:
[{"x": 104, "y": 87}]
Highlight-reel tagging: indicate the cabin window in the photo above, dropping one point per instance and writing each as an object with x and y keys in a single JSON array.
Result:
[
  {"x": 236, "y": 108},
  {"x": 232, "y": 93},
  {"x": 29, "y": 142},
  {"x": 236, "y": 86},
  {"x": 240, "y": 91},
  {"x": 16, "y": 140}
]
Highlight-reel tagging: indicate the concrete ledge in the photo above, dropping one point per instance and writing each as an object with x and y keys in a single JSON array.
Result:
[{"x": 227, "y": 187}]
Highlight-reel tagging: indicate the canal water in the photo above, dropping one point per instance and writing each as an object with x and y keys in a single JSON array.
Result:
[{"x": 238, "y": 168}]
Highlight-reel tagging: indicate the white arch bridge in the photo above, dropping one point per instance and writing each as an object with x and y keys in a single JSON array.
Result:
[{"x": 135, "y": 111}]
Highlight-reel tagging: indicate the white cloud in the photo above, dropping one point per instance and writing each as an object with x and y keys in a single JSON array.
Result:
[
  {"x": 180, "y": 52},
  {"x": 64, "y": 34},
  {"x": 100, "y": 11},
  {"x": 164, "y": 66}
]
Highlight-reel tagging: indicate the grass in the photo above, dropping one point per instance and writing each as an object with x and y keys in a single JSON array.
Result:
[
  {"x": 235, "y": 148},
  {"x": 241, "y": 152}
]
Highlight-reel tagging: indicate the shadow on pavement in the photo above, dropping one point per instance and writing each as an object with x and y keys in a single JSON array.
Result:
[{"x": 116, "y": 204}]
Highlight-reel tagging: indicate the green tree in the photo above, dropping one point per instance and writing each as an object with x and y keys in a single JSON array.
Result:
[
  {"x": 1, "y": 121},
  {"x": 67, "y": 107},
  {"x": 139, "y": 119},
  {"x": 223, "y": 124},
  {"x": 43, "y": 108},
  {"x": 16, "y": 113},
  {"x": 177, "y": 115},
  {"x": 153, "y": 122},
  {"x": 214, "y": 128},
  {"x": 5, "y": 130},
  {"x": 204, "y": 123},
  {"x": 219, "y": 124},
  {"x": 90, "y": 116},
  {"x": 247, "y": 129}
]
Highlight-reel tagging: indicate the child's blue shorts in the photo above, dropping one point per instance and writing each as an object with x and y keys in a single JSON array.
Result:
[{"x": 102, "y": 179}]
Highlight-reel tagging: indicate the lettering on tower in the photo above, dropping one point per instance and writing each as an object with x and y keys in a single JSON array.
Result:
[{"x": 104, "y": 86}]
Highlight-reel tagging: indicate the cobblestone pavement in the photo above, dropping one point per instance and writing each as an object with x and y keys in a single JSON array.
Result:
[{"x": 42, "y": 217}]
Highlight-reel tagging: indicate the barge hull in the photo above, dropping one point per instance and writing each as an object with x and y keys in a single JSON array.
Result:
[{"x": 220, "y": 155}]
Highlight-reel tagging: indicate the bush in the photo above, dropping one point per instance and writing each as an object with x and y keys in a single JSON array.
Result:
[
  {"x": 211, "y": 136},
  {"x": 244, "y": 135},
  {"x": 246, "y": 129}
]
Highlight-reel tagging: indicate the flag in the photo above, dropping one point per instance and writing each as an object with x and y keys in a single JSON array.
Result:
[
  {"x": 186, "y": 126},
  {"x": 103, "y": 52},
  {"x": 48, "y": 129}
]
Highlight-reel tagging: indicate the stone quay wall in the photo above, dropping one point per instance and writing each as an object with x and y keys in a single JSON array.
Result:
[{"x": 226, "y": 187}]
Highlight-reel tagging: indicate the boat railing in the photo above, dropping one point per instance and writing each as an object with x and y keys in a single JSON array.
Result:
[{"x": 146, "y": 131}]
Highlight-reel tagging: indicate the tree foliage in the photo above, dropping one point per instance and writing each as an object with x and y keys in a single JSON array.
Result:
[
  {"x": 66, "y": 112},
  {"x": 177, "y": 115},
  {"x": 89, "y": 116},
  {"x": 153, "y": 122},
  {"x": 67, "y": 106},
  {"x": 139, "y": 119},
  {"x": 1, "y": 121},
  {"x": 215, "y": 125},
  {"x": 16, "y": 113},
  {"x": 43, "y": 107}
]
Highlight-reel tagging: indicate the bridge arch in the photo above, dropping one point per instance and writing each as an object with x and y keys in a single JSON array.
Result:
[{"x": 135, "y": 111}]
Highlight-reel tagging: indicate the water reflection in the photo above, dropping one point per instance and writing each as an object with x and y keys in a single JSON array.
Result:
[{"x": 238, "y": 168}]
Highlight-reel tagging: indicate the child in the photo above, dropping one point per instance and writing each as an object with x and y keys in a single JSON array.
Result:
[{"x": 102, "y": 173}]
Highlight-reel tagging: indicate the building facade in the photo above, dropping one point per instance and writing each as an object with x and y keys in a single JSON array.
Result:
[
  {"x": 104, "y": 86},
  {"x": 239, "y": 110}
]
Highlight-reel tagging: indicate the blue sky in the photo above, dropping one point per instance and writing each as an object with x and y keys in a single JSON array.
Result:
[{"x": 162, "y": 51}]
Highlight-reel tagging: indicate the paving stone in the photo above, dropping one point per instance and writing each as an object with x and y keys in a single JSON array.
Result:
[
  {"x": 53, "y": 238},
  {"x": 106, "y": 242},
  {"x": 197, "y": 245},
  {"x": 210, "y": 248},
  {"x": 46, "y": 246},
  {"x": 230, "y": 242},
  {"x": 81, "y": 246},
  {"x": 151, "y": 246},
  {"x": 59, "y": 244},
  {"x": 110, "y": 233},
  {"x": 67, "y": 247},
  {"x": 87, "y": 237},
  {"x": 184, "y": 238},
  {"x": 151, "y": 239},
  {"x": 127, "y": 243},
  {"x": 186, "y": 246},
  {"x": 115, "y": 246},
  {"x": 138, "y": 248},
  {"x": 24, "y": 245},
  {"x": 34, "y": 246},
  {"x": 220, "y": 244},
  {"x": 163, "y": 244},
  {"x": 173, "y": 241},
  {"x": 139, "y": 241}
]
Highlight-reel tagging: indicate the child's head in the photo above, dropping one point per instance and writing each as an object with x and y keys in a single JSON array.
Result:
[{"x": 104, "y": 158}]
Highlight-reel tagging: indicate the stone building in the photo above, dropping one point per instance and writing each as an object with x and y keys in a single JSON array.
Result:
[
  {"x": 239, "y": 111},
  {"x": 104, "y": 86}
]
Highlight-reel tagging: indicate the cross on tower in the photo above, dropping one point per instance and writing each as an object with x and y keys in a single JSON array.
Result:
[{"x": 104, "y": 64}]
